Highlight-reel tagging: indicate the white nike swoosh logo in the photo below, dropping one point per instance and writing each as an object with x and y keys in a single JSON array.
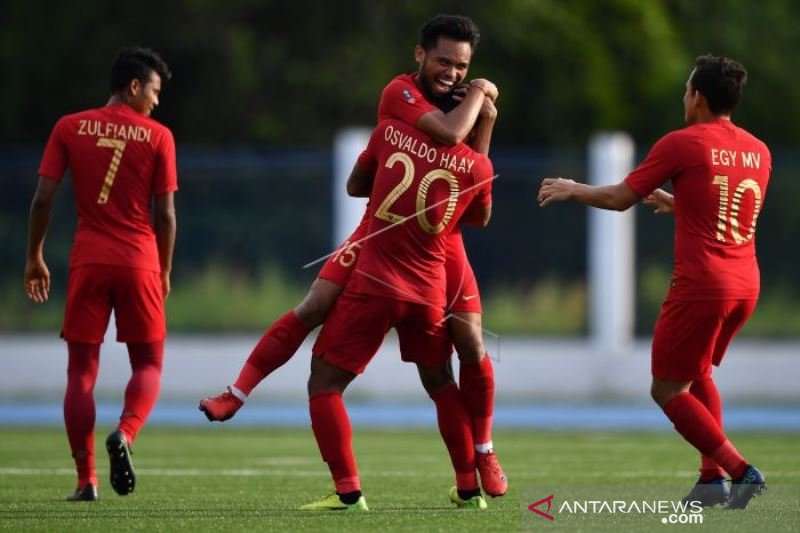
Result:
[{"x": 467, "y": 298}]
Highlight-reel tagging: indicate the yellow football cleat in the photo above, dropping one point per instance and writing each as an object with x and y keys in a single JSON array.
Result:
[
  {"x": 331, "y": 502},
  {"x": 476, "y": 502}
]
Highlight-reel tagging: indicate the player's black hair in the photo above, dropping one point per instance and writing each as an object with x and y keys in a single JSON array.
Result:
[
  {"x": 455, "y": 27},
  {"x": 134, "y": 62},
  {"x": 721, "y": 80}
]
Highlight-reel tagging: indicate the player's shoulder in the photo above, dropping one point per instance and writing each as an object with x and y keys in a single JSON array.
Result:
[
  {"x": 751, "y": 140},
  {"x": 83, "y": 114},
  {"x": 401, "y": 80},
  {"x": 402, "y": 85}
]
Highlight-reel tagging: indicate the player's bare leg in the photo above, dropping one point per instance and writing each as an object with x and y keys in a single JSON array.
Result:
[
  {"x": 334, "y": 436},
  {"x": 476, "y": 377},
  {"x": 278, "y": 344},
  {"x": 455, "y": 427},
  {"x": 697, "y": 425}
]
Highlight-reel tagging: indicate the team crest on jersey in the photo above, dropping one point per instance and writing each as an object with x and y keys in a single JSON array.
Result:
[{"x": 408, "y": 96}]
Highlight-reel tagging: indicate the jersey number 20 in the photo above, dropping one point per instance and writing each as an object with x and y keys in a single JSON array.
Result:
[{"x": 383, "y": 212}]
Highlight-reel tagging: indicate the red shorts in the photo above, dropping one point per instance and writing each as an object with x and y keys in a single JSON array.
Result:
[
  {"x": 462, "y": 287},
  {"x": 691, "y": 336},
  {"x": 134, "y": 294},
  {"x": 355, "y": 328},
  {"x": 339, "y": 266}
]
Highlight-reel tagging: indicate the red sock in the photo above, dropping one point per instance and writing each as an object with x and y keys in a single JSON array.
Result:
[
  {"x": 706, "y": 391},
  {"x": 456, "y": 429},
  {"x": 79, "y": 408},
  {"x": 276, "y": 347},
  {"x": 331, "y": 427},
  {"x": 477, "y": 388},
  {"x": 143, "y": 387},
  {"x": 693, "y": 421}
]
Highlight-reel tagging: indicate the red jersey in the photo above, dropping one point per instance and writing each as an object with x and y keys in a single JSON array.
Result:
[
  {"x": 402, "y": 100},
  {"x": 118, "y": 159},
  {"x": 420, "y": 192},
  {"x": 719, "y": 175}
]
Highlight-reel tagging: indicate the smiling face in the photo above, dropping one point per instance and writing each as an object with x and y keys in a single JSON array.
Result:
[
  {"x": 444, "y": 66},
  {"x": 144, "y": 97}
]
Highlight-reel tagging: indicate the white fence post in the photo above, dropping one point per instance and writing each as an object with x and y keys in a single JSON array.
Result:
[
  {"x": 347, "y": 211},
  {"x": 612, "y": 278}
]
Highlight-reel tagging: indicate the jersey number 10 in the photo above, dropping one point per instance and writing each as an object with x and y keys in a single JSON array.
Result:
[{"x": 724, "y": 218}]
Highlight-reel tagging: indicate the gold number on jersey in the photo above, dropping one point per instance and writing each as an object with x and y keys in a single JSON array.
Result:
[
  {"x": 119, "y": 147},
  {"x": 383, "y": 212},
  {"x": 422, "y": 194},
  {"x": 347, "y": 254},
  {"x": 722, "y": 215}
]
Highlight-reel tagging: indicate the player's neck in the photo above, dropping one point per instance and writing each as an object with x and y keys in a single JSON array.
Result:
[
  {"x": 705, "y": 117},
  {"x": 117, "y": 99}
]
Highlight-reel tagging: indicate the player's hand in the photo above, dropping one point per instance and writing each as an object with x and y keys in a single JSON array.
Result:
[
  {"x": 555, "y": 190},
  {"x": 488, "y": 88},
  {"x": 460, "y": 91},
  {"x": 661, "y": 200},
  {"x": 37, "y": 280},
  {"x": 488, "y": 109},
  {"x": 165, "y": 285}
]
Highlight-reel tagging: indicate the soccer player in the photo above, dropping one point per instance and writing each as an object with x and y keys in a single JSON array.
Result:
[
  {"x": 121, "y": 161},
  {"x": 422, "y": 99},
  {"x": 719, "y": 174},
  {"x": 420, "y": 192}
]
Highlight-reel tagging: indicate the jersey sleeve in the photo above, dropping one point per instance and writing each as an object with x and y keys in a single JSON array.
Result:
[
  {"x": 663, "y": 162},
  {"x": 403, "y": 101},
  {"x": 368, "y": 159},
  {"x": 55, "y": 159},
  {"x": 483, "y": 179},
  {"x": 166, "y": 171}
]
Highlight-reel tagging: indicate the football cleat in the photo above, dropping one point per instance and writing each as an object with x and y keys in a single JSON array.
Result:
[
  {"x": 476, "y": 502},
  {"x": 331, "y": 502},
  {"x": 708, "y": 493},
  {"x": 751, "y": 484},
  {"x": 493, "y": 479},
  {"x": 123, "y": 477},
  {"x": 86, "y": 494},
  {"x": 221, "y": 408}
]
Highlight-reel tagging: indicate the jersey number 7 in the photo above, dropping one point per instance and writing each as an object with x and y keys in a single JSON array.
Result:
[{"x": 119, "y": 147}]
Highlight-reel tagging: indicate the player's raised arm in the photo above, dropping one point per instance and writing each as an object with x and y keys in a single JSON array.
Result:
[
  {"x": 37, "y": 275},
  {"x": 481, "y": 138},
  {"x": 617, "y": 197},
  {"x": 453, "y": 127}
]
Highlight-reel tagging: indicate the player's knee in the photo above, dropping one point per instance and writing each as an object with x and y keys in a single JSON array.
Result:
[
  {"x": 469, "y": 346},
  {"x": 434, "y": 379},
  {"x": 317, "y": 304},
  {"x": 326, "y": 378}
]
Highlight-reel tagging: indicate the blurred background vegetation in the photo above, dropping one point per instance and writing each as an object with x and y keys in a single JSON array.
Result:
[{"x": 261, "y": 87}]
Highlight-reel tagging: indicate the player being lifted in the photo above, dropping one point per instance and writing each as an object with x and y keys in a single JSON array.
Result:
[
  {"x": 121, "y": 160},
  {"x": 719, "y": 174},
  {"x": 421, "y": 190},
  {"x": 444, "y": 53}
]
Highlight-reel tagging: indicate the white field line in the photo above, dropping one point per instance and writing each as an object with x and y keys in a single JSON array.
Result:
[{"x": 225, "y": 472}]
